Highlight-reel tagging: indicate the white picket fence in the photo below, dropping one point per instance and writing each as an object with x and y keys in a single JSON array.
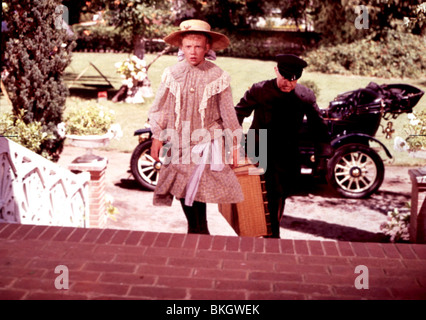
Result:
[{"x": 34, "y": 190}]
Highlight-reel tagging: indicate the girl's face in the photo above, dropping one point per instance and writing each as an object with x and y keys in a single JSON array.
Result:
[{"x": 194, "y": 48}]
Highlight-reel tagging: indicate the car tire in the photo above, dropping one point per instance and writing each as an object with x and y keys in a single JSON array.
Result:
[
  {"x": 144, "y": 168},
  {"x": 355, "y": 171}
]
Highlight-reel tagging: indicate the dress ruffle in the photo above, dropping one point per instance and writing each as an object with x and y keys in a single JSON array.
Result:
[
  {"x": 174, "y": 87},
  {"x": 213, "y": 88}
]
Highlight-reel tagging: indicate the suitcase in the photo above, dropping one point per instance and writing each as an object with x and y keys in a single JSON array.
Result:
[{"x": 249, "y": 218}]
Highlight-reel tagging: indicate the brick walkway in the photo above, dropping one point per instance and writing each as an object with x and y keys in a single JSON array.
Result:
[{"x": 122, "y": 264}]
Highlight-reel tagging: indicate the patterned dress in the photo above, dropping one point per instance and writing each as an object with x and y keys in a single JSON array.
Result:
[{"x": 193, "y": 105}]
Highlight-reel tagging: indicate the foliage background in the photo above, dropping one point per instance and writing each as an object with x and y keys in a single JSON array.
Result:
[
  {"x": 244, "y": 72},
  {"x": 36, "y": 55},
  {"x": 397, "y": 55},
  {"x": 351, "y": 57}
]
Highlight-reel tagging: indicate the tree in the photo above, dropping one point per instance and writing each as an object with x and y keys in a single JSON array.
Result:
[
  {"x": 334, "y": 19},
  {"x": 142, "y": 19},
  {"x": 296, "y": 10},
  {"x": 222, "y": 14},
  {"x": 37, "y": 53},
  {"x": 417, "y": 23}
]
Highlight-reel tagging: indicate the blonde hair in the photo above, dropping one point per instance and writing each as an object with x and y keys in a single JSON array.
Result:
[{"x": 194, "y": 33}]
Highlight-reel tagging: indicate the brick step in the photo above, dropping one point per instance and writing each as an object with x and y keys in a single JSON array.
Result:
[{"x": 124, "y": 264}]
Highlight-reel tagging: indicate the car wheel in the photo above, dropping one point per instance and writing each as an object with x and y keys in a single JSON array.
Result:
[
  {"x": 355, "y": 171},
  {"x": 144, "y": 168}
]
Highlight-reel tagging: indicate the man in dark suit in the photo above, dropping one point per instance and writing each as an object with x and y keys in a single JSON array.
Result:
[{"x": 279, "y": 106}]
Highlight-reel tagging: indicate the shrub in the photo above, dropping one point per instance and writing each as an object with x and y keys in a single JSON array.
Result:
[
  {"x": 311, "y": 85},
  {"x": 110, "y": 38},
  {"x": 99, "y": 37},
  {"x": 91, "y": 120},
  {"x": 397, "y": 55},
  {"x": 415, "y": 131},
  {"x": 265, "y": 45},
  {"x": 37, "y": 53},
  {"x": 29, "y": 135},
  {"x": 398, "y": 225}
]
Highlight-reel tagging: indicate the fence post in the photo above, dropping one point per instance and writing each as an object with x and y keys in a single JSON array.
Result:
[{"x": 97, "y": 185}]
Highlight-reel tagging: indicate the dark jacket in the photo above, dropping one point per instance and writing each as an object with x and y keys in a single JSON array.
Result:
[{"x": 282, "y": 115}]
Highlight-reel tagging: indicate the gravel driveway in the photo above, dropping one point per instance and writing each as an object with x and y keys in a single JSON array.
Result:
[{"x": 317, "y": 214}]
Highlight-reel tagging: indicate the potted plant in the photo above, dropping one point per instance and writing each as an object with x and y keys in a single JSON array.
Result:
[{"x": 90, "y": 127}]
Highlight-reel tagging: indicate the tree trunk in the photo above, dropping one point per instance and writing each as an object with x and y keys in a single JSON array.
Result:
[
  {"x": 139, "y": 46},
  {"x": 143, "y": 88}
]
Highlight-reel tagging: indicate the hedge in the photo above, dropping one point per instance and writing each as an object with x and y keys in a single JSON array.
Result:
[
  {"x": 255, "y": 44},
  {"x": 397, "y": 55}
]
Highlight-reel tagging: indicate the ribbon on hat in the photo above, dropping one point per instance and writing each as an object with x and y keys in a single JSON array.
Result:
[{"x": 211, "y": 55}]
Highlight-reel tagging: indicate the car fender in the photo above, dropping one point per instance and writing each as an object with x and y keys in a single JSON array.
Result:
[
  {"x": 142, "y": 131},
  {"x": 355, "y": 137}
]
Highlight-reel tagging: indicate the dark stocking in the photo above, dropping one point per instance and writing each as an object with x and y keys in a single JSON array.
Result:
[
  {"x": 196, "y": 216},
  {"x": 276, "y": 210}
]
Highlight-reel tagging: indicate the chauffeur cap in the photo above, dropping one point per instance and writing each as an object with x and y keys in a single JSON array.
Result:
[{"x": 290, "y": 66}]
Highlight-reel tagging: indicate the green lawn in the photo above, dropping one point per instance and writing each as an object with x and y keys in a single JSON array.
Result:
[{"x": 244, "y": 73}]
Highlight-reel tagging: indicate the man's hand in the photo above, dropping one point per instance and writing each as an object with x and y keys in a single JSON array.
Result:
[{"x": 155, "y": 149}]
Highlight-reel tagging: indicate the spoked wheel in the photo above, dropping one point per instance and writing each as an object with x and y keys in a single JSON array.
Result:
[
  {"x": 355, "y": 171},
  {"x": 144, "y": 168}
]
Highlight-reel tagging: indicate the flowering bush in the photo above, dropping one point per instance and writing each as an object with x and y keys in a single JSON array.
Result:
[
  {"x": 91, "y": 120},
  {"x": 29, "y": 135},
  {"x": 416, "y": 133},
  {"x": 132, "y": 70},
  {"x": 397, "y": 227}
]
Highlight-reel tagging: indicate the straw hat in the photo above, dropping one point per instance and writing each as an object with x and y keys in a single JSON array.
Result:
[{"x": 219, "y": 41}]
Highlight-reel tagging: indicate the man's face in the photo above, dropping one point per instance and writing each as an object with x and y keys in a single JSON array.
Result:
[
  {"x": 194, "y": 48},
  {"x": 283, "y": 84}
]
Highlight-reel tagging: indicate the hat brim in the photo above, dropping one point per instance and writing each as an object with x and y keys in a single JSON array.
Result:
[
  {"x": 290, "y": 74},
  {"x": 218, "y": 40}
]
